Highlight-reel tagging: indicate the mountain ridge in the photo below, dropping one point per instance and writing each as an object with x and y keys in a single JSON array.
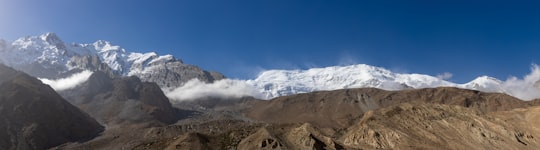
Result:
[{"x": 47, "y": 56}]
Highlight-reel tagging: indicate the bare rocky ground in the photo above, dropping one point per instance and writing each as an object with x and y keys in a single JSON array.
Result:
[{"x": 440, "y": 118}]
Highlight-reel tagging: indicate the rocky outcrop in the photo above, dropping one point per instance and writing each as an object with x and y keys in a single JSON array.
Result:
[
  {"x": 170, "y": 75},
  {"x": 34, "y": 116},
  {"x": 262, "y": 139},
  {"x": 308, "y": 137}
]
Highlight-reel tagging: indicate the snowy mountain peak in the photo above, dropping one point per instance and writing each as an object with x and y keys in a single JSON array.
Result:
[
  {"x": 47, "y": 56},
  {"x": 485, "y": 83},
  {"x": 105, "y": 46},
  {"x": 486, "y": 79},
  {"x": 45, "y": 40},
  {"x": 274, "y": 83},
  {"x": 51, "y": 38}
]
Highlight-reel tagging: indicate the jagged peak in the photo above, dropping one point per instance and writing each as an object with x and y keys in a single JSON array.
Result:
[
  {"x": 104, "y": 46},
  {"x": 50, "y": 37},
  {"x": 102, "y": 42}
]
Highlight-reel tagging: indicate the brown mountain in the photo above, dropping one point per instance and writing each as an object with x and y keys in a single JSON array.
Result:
[
  {"x": 122, "y": 100},
  {"x": 34, "y": 116},
  {"x": 341, "y": 108}
]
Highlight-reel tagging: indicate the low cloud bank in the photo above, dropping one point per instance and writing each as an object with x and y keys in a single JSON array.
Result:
[
  {"x": 69, "y": 82},
  {"x": 527, "y": 88},
  {"x": 226, "y": 88}
]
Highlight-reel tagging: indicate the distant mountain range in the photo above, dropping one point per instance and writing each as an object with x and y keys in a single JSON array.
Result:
[{"x": 47, "y": 56}]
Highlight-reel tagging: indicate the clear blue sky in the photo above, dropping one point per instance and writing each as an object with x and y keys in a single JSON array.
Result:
[{"x": 239, "y": 38}]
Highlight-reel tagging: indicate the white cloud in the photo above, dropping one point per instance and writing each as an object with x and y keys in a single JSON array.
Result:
[
  {"x": 226, "y": 88},
  {"x": 527, "y": 88},
  {"x": 69, "y": 82},
  {"x": 444, "y": 76}
]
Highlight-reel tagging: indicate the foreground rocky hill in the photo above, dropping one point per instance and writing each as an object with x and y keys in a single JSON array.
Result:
[
  {"x": 435, "y": 126},
  {"x": 440, "y": 118},
  {"x": 34, "y": 116},
  {"x": 404, "y": 126}
]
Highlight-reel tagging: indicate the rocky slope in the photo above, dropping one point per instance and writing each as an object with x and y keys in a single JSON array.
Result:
[
  {"x": 34, "y": 116},
  {"x": 428, "y": 126}
]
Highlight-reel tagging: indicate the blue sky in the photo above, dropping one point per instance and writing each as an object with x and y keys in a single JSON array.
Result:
[{"x": 240, "y": 38}]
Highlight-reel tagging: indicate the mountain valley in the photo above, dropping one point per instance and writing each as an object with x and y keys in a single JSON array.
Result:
[{"x": 55, "y": 95}]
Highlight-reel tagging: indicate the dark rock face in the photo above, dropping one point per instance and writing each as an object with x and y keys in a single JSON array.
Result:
[
  {"x": 117, "y": 101},
  {"x": 34, "y": 116}
]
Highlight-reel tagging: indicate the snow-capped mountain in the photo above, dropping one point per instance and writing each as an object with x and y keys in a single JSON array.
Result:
[
  {"x": 275, "y": 83},
  {"x": 47, "y": 56},
  {"x": 486, "y": 84}
]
